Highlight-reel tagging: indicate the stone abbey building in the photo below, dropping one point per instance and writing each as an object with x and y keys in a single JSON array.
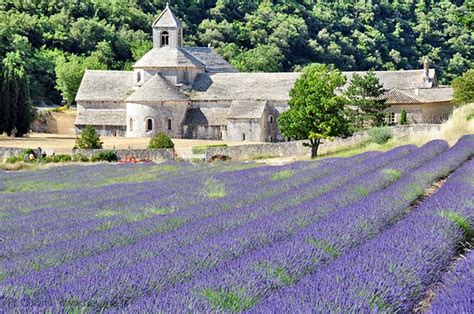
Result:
[{"x": 191, "y": 92}]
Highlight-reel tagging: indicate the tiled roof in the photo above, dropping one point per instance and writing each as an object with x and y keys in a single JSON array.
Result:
[
  {"x": 168, "y": 57},
  {"x": 246, "y": 109},
  {"x": 101, "y": 117},
  {"x": 206, "y": 116},
  {"x": 167, "y": 19},
  {"x": 156, "y": 89},
  {"x": 396, "y": 96},
  {"x": 214, "y": 63},
  {"x": 437, "y": 94},
  {"x": 235, "y": 86},
  {"x": 402, "y": 79},
  {"x": 105, "y": 86}
]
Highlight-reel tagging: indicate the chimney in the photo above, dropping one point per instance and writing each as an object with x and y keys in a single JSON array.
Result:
[{"x": 426, "y": 68}]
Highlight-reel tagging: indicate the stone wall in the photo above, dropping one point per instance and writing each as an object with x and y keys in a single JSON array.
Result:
[
  {"x": 296, "y": 148},
  {"x": 7, "y": 152},
  {"x": 151, "y": 154}
]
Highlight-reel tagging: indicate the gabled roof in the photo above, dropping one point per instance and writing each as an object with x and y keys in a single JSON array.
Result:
[
  {"x": 167, "y": 57},
  {"x": 105, "y": 86},
  {"x": 246, "y": 109},
  {"x": 156, "y": 89},
  {"x": 248, "y": 86},
  {"x": 402, "y": 79},
  {"x": 101, "y": 117},
  {"x": 214, "y": 63},
  {"x": 206, "y": 116},
  {"x": 396, "y": 96},
  {"x": 437, "y": 94},
  {"x": 167, "y": 19}
]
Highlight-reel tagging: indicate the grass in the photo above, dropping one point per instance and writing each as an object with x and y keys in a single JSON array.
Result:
[
  {"x": 459, "y": 220},
  {"x": 201, "y": 149},
  {"x": 228, "y": 300},
  {"x": 326, "y": 247},
  {"x": 283, "y": 174},
  {"x": 213, "y": 188}
]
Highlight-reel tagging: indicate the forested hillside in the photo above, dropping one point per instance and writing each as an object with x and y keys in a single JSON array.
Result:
[{"x": 55, "y": 40}]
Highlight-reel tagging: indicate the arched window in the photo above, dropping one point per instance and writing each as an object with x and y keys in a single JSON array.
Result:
[
  {"x": 243, "y": 136},
  {"x": 169, "y": 124},
  {"x": 131, "y": 124},
  {"x": 139, "y": 77},
  {"x": 271, "y": 118},
  {"x": 165, "y": 38},
  {"x": 149, "y": 124}
]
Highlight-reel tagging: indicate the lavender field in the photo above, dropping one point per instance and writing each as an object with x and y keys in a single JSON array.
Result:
[{"x": 376, "y": 232}]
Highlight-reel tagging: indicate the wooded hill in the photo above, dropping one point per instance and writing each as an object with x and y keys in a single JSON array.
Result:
[{"x": 55, "y": 40}]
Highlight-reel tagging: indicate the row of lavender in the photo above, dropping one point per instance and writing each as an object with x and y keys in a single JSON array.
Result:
[
  {"x": 391, "y": 272},
  {"x": 240, "y": 284},
  {"x": 198, "y": 230},
  {"x": 456, "y": 295},
  {"x": 209, "y": 255},
  {"x": 66, "y": 243},
  {"x": 121, "y": 275}
]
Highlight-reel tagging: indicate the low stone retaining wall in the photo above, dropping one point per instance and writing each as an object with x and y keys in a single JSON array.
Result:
[
  {"x": 150, "y": 154},
  {"x": 7, "y": 152},
  {"x": 296, "y": 148}
]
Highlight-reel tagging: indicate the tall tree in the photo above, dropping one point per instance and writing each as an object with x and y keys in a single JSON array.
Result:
[
  {"x": 24, "y": 112},
  {"x": 15, "y": 103},
  {"x": 315, "y": 112},
  {"x": 366, "y": 103}
]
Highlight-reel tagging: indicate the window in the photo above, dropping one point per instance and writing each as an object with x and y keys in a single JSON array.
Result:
[
  {"x": 149, "y": 124},
  {"x": 391, "y": 118},
  {"x": 165, "y": 39},
  {"x": 131, "y": 124},
  {"x": 271, "y": 119},
  {"x": 271, "y": 138},
  {"x": 243, "y": 136},
  {"x": 169, "y": 124},
  {"x": 139, "y": 77}
]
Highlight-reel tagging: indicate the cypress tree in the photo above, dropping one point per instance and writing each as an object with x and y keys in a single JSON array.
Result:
[
  {"x": 12, "y": 103},
  {"x": 3, "y": 112},
  {"x": 23, "y": 117},
  {"x": 5, "y": 103}
]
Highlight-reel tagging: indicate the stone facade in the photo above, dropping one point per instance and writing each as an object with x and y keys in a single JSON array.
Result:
[{"x": 191, "y": 92}]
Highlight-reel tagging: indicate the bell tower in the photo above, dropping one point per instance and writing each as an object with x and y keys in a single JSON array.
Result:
[{"x": 167, "y": 30}]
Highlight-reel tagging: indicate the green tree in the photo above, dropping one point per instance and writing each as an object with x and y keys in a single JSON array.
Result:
[
  {"x": 315, "y": 112},
  {"x": 263, "y": 58},
  {"x": 69, "y": 73},
  {"x": 15, "y": 111},
  {"x": 464, "y": 88},
  {"x": 161, "y": 140},
  {"x": 24, "y": 111},
  {"x": 89, "y": 139},
  {"x": 403, "y": 117},
  {"x": 366, "y": 104}
]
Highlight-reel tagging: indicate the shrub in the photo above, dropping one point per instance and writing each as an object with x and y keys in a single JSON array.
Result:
[
  {"x": 161, "y": 140},
  {"x": 107, "y": 155},
  {"x": 80, "y": 157},
  {"x": 89, "y": 139},
  {"x": 380, "y": 135},
  {"x": 58, "y": 158},
  {"x": 14, "y": 159},
  {"x": 403, "y": 118}
]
